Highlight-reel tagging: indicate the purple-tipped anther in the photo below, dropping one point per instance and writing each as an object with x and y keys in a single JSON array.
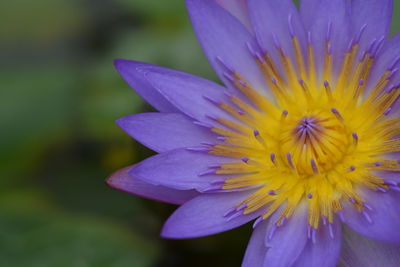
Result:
[
  {"x": 290, "y": 23},
  {"x": 366, "y": 216},
  {"x": 251, "y": 49},
  {"x": 350, "y": 46},
  {"x": 225, "y": 65},
  {"x": 272, "y": 232},
  {"x": 207, "y": 172},
  {"x": 341, "y": 216},
  {"x": 387, "y": 111},
  {"x": 352, "y": 168},
  {"x": 203, "y": 124},
  {"x": 212, "y": 189},
  {"x": 330, "y": 227},
  {"x": 383, "y": 190},
  {"x": 392, "y": 74},
  {"x": 229, "y": 77},
  {"x": 272, "y": 157},
  {"x": 283, "y": 221},
  {"x": 245, "y": 160},
  {"x": 329, "y": 31},
  {"x": 257, "y": 222},
  {"x": 378, "y": 47},
  {"x": 360, "y": 33},
  {"x": 256, "y": 133},
  {"x": 314, "y": 235},
  {"x": 211, "y": 100},
  {"x": 314, "y": 166},
  {"x": 368, "y": 207},
  {"x": 242, "y": 83},
  {"x": 198, "y": 149},
  {"x": 276, "y": 42},
  {"x": 271, "y": 193},
  {"x": 289, "y": 160},
  {"x": 337, "y": 114},
  {"x": 396, "y": 62},
  {"x": 217, "y": 182},
  {"x": 234, "y": 216},
  {"x": 230, "y": 212},
  {"x": 355, "y": 138},
  {"x": 391, "y": 182},
  {"x": 329, "y": 50},
  {"x": 309, "y": 196}
]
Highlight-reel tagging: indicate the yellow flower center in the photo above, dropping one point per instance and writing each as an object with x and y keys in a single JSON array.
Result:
[{"x": 315, "y": 141}]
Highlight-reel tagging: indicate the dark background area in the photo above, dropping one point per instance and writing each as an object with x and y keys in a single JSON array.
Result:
[{"x": 60, "y": 95}]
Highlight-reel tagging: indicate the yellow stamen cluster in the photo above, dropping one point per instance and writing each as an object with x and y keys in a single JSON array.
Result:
[{"x": 320, "y": 139}]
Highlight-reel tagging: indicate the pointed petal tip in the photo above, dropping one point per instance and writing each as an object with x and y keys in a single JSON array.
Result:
[{"x": 123, "y": 65}]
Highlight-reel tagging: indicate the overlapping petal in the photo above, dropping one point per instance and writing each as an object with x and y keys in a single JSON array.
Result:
[
  {"x": 282, "y": 250},
  {"x": 388, "y": 60},
  {"x": 327, "y": 20},
  {"x": 222, "y": 36},
  {"x": 382, "y": 222},
  {"x": 376, "y": 15},
  {"x": 326, "y": 249},
  {"x": 123, "y": 181},
  {"x": 194, "y": 96},
  {"x": 273, "y": 22},
  {"x": 358, "y": 251},
  {"x": 256, "y": 249},
  {"x": 204, "y": 215},
  {"x": 133, "y": 73},
  {"x": 165, "y": 131},
  {"x": 179, "y": 169},
  {"x": 237, "y": 8}
]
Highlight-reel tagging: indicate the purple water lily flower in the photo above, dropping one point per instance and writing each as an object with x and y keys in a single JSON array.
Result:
[{"x": 302, "y": 139}]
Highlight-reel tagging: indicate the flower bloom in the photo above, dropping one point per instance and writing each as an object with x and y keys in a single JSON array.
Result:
[{"x": 302, "y": 139}]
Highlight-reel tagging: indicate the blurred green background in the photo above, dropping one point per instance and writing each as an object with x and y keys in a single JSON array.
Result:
[{"x": 59, "y": 98}]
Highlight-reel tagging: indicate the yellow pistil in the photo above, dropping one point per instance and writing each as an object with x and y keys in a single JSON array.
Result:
[{"x": 316, "y": 141}]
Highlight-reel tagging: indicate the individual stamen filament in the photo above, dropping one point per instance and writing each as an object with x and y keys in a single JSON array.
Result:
[
  {"x": 287, "y": 65},
  {"x": 253, "y": 95},
  {"x": 378, "y": 88},
  {"x": 355, "y": 139},
  {"x": 260, "y": 139},
  {"x": 328, "y": 61},
  {"x": 347, "y": 66},
  {"x": 299, "y": 56},
  {"x": 314, "y": 166},
  {"x": 306, "y": 90},
  {"x": 311, "y": 61},
  {"x": 328, "y": 91},
  {"x": 337, "y": 114},
  {"x": 233, "y": 125}
]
